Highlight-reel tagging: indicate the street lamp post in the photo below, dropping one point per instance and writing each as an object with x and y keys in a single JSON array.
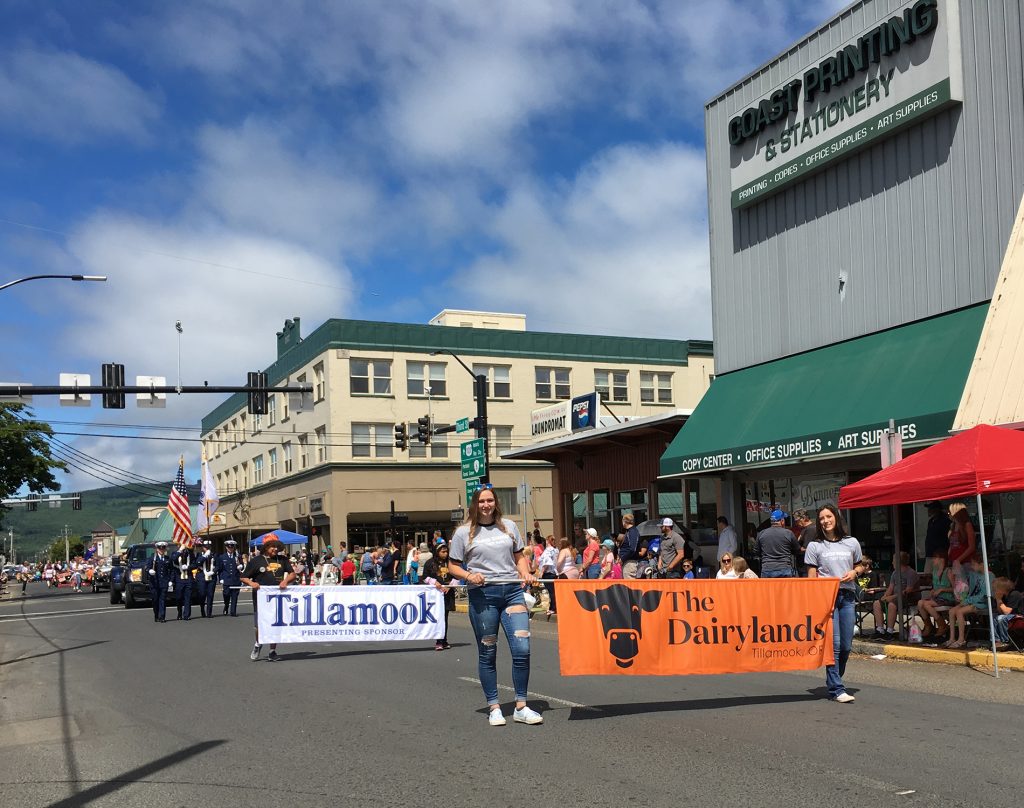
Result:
[
  {"x": 60, "y": 277},
  {"x": 480, "y": 389}
]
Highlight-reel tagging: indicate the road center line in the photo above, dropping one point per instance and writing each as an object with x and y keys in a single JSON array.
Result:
[
  {"x": 8, "y": 618},
  {"x": 534, "y": 695}
]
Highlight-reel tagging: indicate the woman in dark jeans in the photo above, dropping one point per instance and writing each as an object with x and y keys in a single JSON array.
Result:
[{"x": 436, "y": 572}]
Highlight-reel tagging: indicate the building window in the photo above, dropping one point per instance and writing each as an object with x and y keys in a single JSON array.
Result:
[
  {"x": 234, "y": 433},
  {"x": 373, "y": 440},
  {"x": 257, "y": 469},
  {"x": 216, "y": 443},
  {"x": 655, "y": 387},
  {"x": 272, "y": 409},
  {"x": 244, "y": 481},
  {"x": 303, "y": 451},
  {"x": 284, "y": 406},
  {"x": 552, "y": 383},
  {"x": 421, "y": 375},
  {"x": 498, "y": 380},
  {"x": 321, "y": 444},
  {"x": 613, "y": 385},
  {"x": 286, "y": 451},
  {"x": 370, "y": 377},
  {"x": 508, "y": 499},
  {"x": 500, "y": 440},
  {"x": 319, "y": 388},
  {"x": 273, "y": 463}
]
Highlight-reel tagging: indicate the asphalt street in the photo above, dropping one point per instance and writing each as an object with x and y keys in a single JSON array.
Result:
[{"x": 102, "y": 707}]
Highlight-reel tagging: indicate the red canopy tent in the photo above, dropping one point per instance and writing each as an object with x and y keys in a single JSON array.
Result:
[{"x": 983, "y": 460}]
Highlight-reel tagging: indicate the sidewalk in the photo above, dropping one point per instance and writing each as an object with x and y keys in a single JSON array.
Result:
[{"x": 971, "y": 657}]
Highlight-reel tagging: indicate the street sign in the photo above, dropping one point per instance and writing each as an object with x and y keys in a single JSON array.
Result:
[
  {"x": 471, "y": 486},
  {"x": 523, "y": 493},
  {"x": 473, "y": 469},
  {"x": 472, "y": 449},
  {"x": 462, "y": 425},
  {"x": 458, "y": 514}
]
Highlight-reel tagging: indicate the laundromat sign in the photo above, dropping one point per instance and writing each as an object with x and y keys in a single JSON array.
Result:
[
  {"x": 566, "y": 417},
  {"x": 886, "y": 77},
  {"x": 860, "y": 440}
]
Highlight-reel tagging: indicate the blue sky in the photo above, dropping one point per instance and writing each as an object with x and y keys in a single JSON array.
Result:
[{"x": 233, "y": 163}]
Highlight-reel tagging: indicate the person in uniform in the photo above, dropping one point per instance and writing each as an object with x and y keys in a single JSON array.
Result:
[
  {"x": 206, "y": 578},
  {"x": 229, "y": 567},
  {"x": 269, "y": 567},
  {"x": 160, "y": 574},
  {"x": 184, "y": 569}
]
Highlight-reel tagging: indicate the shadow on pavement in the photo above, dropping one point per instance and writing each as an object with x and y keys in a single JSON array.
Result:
[
  {"x": 50, "y": 653},
  {"x": 593, "y": 711},
  {"x": 133, "y": 775},
  {"x": 303, "y": 656}
]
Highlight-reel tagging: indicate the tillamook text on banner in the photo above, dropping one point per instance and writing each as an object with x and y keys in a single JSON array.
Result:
[
  {"x": 672, "y": 627},
  {"x": 350, "y": 613}
]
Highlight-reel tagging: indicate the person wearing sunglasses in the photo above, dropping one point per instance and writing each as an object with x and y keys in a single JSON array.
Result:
[
  {"x": 486, "y": 552},
  {"x": 688, "y": 569},
  {"x": 725, "y": 569}
]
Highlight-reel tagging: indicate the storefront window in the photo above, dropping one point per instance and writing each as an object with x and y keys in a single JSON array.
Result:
[
  {"x": 671, "y": 501},
  {"x": 600, "y": 513},
  {"x": 634, "y": 502},
  {"x": 575, "y": 511}
]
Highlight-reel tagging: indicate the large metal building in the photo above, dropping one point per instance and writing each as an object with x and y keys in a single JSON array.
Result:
[{"x": 862, "y": 188}]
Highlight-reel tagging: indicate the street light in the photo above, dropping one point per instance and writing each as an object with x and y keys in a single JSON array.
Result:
[
  {"x": 480, "y": 388},
  {"x": 61, "y": 277}
]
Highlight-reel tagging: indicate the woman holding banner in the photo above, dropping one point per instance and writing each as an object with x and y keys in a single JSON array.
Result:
[
  {"x": 487, "y": 551},
  {"x": 833, "y": 553}
]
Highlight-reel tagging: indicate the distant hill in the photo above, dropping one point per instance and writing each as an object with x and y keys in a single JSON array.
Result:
[{"x": 34, "y": 530}]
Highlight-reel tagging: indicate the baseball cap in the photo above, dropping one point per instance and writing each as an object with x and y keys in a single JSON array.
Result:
[
  {"x": 666, "y": 522},
  {"x": 591, "y": 532},
  {"x": 778, "y": 515},
  {"x": 933, "y": 504},
  {"x": 441, "y": 543},
  {"x": 608, "y": 543}
]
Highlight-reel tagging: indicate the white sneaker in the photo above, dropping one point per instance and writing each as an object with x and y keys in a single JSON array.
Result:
[
  {"x": 524, "y": 715},
  {"x": 496, "y": 719},
  {"x": 255, "y": 652},
  {"x": 844, "y": 698}
]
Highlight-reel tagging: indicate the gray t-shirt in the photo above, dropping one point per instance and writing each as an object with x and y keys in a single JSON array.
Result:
[
  {"x": 491, "y": 552},
  {"x": 672, "y": 546},
  {"x": 834, "y": 559},
  {"x": 778, "y": 547}
]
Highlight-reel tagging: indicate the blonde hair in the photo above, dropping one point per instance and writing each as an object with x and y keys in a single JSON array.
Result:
[
  {"x": 955, "y": 508},
  {"x": 473, "y": 514},
  {"x": 739, "y": 564}
]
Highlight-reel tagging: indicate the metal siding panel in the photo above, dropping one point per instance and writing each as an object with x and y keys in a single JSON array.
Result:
[{"x": 919, "y": 221}]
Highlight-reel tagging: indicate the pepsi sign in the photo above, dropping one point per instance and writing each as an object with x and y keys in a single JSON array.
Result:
[{"x": 584, "y": 411}]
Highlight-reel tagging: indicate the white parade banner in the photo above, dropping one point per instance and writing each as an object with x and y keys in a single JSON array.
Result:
[{"x": 349, "y": 613}]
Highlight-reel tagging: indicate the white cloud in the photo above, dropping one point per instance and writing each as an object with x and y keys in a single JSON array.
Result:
[
  {"x": 256, "y": 180},
  {"x": 67, "y": 98},
  {"x": 620, "y": 250}
]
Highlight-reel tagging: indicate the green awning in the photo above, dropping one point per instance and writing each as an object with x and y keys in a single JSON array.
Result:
[{"x": 833, "y": 400}]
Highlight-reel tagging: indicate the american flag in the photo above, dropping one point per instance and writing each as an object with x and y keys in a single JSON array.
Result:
[{"x": 177, "y": 504}]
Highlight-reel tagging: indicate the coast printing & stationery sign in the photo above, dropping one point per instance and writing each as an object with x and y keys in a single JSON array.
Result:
[
  {"x": 890, "y": 75},
  {"x": 350, "y": 613}
]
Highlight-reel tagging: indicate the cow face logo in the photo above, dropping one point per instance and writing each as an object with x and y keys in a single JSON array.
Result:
[{"x": 622, "y": 611}]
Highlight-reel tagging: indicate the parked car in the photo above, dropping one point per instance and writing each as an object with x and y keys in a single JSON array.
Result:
[{"x": 130, "y": 583}]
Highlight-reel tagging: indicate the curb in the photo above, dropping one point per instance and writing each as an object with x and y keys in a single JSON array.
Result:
[{"x": 976, "y": 658}]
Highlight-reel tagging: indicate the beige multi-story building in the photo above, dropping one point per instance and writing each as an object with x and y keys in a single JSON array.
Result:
[{"x": 332, "y": 470}]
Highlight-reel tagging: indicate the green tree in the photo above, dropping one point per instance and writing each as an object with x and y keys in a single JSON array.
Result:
[{"x": 25, "y": 457}]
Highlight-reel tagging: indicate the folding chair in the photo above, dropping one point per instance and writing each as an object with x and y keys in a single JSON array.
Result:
[{"x": 1015, "y": 628}]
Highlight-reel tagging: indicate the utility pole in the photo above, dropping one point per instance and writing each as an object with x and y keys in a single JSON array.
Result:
[{"x": 67, "y": 547}]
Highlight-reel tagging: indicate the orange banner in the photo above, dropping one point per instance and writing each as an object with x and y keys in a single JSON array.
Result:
[{"x": 673, "y": 627}]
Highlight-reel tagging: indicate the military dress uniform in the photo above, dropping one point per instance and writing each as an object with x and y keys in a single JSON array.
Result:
[
  {"x": 229, "y": 573},
  {"x": 160, "y": 574},
  {"x": 184, "y": 569},
  {"x": 206, "y": 578}
]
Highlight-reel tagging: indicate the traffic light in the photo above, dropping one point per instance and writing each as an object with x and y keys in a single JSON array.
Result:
[
  {"x": 257, "y": 400},
  {"x": 76, "y": 503},
  {"x": 423, "y": 429},
  {"x": 401, "y": 436},
  {"x": 113, "y": 380},
  {"x": 32, "y": 502}
]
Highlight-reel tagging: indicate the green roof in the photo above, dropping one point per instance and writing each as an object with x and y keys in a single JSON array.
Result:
[
  {"x": 467, "y": 342},
  {"x": 833, "y": 400}
]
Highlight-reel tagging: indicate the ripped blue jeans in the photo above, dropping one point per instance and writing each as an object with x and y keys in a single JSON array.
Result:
[{"x": 488, "y": 606}]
